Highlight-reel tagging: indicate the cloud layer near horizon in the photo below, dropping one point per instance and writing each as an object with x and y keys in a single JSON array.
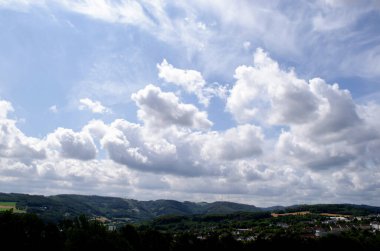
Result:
[{"x": 294, "y": 140}]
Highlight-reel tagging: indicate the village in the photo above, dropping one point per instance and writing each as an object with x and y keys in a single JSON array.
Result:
[
  {"x": 295, "y": 224},
  {"x": 304, "y": 225}
]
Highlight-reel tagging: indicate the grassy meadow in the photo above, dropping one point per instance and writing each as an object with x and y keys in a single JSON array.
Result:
[{"x": 4, "y": 206}]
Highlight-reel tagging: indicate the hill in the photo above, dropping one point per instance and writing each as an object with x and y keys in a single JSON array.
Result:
[
  {"x": 343, "y": 209},
  {"x": 58, "y": 207}
]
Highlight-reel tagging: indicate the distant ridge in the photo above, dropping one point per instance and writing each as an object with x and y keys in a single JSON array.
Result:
[
  {"x": 66, "y": 205},
  {"x": 57, "y": 207}
]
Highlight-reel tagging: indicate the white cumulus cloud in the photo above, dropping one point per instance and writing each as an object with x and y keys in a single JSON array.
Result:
[
  {"x": 5, "y": 108},
  {"x": 264, "y": 92},
  {"x": 191, "y": 81},
  {"x": 161, "y": 109},
  {"x": 14, "y": 144},
  {"x": 70, "y": 144},
  {"x": 324, "y": 127},
  {"x": 243, "y": 141}
]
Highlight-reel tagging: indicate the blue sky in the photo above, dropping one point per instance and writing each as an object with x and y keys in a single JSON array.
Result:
[{"x": 262, "y": 102}]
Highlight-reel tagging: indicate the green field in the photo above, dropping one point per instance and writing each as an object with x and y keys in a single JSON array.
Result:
[{"x": 4, "y": 206}]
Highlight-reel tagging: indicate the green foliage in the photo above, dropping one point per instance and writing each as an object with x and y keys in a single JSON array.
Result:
[
  {"x": 29, "y": 232},
  {"x": 345, "y": 209},
  {"x": 6, "y": 206},
  {"x": 59, "y": 207}
]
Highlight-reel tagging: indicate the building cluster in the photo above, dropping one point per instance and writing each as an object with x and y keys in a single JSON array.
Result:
[{"x": 331, "y": 225}]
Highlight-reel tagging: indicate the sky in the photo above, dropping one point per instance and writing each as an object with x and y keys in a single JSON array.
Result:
[{"x": 273, "y": 102}]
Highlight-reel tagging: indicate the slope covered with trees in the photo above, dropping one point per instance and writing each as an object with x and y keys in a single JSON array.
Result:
[
  {"x": 58, "y": 207},
  {"x": 29, "y": 232}
]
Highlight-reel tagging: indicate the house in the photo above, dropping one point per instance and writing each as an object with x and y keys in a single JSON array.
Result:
[
  {"x": 282, "y": 225},
  {"x": 365, "y": 227},
  {"x": 240, "y": 231},
  {"x": 320, "y": 233},
  {"x": 375, "y": 226},
  {"x": 339, "y": 218}
]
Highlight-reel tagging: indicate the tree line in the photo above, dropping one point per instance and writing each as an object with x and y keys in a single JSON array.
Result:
[{"x": 29, "y": 232}]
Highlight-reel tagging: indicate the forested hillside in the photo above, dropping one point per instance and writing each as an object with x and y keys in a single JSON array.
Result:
[{"x": 58, "y": 207}]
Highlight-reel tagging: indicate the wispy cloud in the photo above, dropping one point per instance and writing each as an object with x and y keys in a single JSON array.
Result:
[
  {"x": 53, "y": 109},
  {"x": 93, "y": 106}
]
